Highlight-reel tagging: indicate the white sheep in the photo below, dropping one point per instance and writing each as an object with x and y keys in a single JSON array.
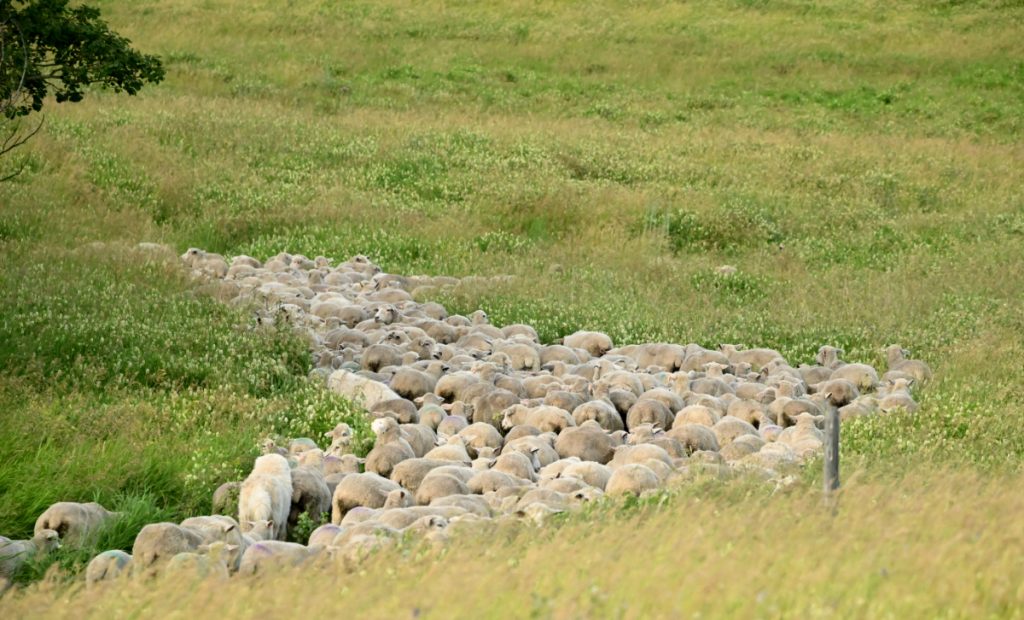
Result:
[
  {"x": 15, "y": 553},
  {"x": 267, "y": 494},
  {"x": 77, "y": 524},
  {"x": 359, "y": 389},
  {"x": 107, "y": 566}
]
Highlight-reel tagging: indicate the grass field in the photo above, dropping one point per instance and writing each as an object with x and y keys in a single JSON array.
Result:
[{"x": 862, "y": 164}]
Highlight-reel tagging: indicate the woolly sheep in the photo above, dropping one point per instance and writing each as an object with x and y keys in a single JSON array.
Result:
[
  {"x": 390, "y": 448},
  {"x": 600, "y": 411},
  {"x": 157, "y": 543},
  {"x": 267, "y": 494},
  {"x": 594, "y": 343},
  {"x": 356, "y": 388},
  {"x": 14, "y": 553},
  {"x": 632, "y": 479},
  {"x": 368, "y": 489},
  {"x": 896, "y": 356},
  {"x": 480, "y": 435},
  {"x": 410, "y": 473},
  {"x": 436, "y": 485},
  {"x": 76, "y": 524},
  {"x": 518, "y": 464},
  {"x": 212, "y": 564},
  {"x": 310, "y": 495},
  {"x": 206, "y": 262},
  {"x": 594, "y": 474},
  {"x": 625, "y": 455},
  {"x": 649, "y": 412},
  {"x": 400, "y": 409},
  {"x": 540, "y": 445},
  {"x": 589, "y": 442},
  {"x": 107, "y": 566},
  {"x": 223, "y": 529},
  {"x": 274, "y": 553},
  {"x": 729, "y": 428}
]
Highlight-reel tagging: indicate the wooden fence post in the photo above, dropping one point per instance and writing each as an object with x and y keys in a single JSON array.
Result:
[{"x": 831, "y": 454}]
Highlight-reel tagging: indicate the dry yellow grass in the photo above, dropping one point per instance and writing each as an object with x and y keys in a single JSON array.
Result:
[{"x": 935, "y": 545}]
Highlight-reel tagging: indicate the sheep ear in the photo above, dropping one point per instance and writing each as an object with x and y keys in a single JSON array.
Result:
[
  {"x": 910, "y": 382},
  {"x": 826, "y": 395},
  {"x": 228, "y": 527}
]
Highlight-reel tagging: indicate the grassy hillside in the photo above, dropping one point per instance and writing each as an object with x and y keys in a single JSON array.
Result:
[{"x": 860, "y": 163}]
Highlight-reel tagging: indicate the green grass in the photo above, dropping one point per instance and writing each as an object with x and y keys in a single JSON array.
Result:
[{"x": 859, "y": 163}]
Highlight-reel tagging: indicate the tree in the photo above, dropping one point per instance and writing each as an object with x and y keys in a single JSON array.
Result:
[{"x": 47, "y": 47}]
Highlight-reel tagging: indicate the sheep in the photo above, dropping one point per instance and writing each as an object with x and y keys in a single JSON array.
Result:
[
  {"x": 206, "y": 263},
  {"x": 897, "y": 396},
  {"x": 471, "y": 504},
  {"x": 267, "y": 494},
  {"x": 274, "y": 553},
  {"x": 107, "y": 566},
  {"x": 757, "y": 358},
  {"x": 649, "y": 411},
  {"x": 202, "y": 566},
  {"x": 896, "y": 356},
  {"x": 588, "y": 442},
  {"x": 324, "y": 535},
  {"x": 489, "y": 480},
  {"x": 480, "y": 435},
  {"x": 157, "y": 543},
  {"x": 453, "y": 450},
  {"x": 545, "y": 417},
  {"x": 632, "y": 479},
  {"x": 402, "y": 410},
  {"x": 421, "y": 438},
  {"x": 862, "y": 376},
  {"x": 223, "y": 529},
  {"x": 390, "y": 448},
  {"x": 594, "y": 343},
  {"x": 540, "y": 445},
  {"x": 523, "y": 465},
  {"x": 410, "y": 473},
  {"x": 694, "y": 437},
  {"x": 600, "y": 411},
  {"x": 360, "y": 389},
  {"x": 592, "y": 473},
  {"x": 696, "y": 414},
  {"x": 625, "y": 455},
  {"x": 310, "y": 495},
  {"x": 411, "y": 383},
  {"x": 436, "y": 485},
  {"x": 729, "y": 428},
  {"x": 76, "y": 524},
  {"x": 15, "y": 553},
  {"x": 368, "y": 489}
]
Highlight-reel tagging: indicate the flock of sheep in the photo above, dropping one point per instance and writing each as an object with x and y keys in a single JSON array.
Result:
[{"x": 474, "y": 424}]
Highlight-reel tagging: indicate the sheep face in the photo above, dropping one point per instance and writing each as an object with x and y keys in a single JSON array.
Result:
[{"x": 46, "y": 541}]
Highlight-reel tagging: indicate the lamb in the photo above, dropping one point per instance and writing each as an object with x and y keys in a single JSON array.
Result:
[
  {"x": 368, "y": 489},
  {"x": 157, "y": 543},
  {"x": 594, "y": 343},
  {"x": 76, "y": 524},
  {"x": 360, "y": 389},
  {"x": 15, "y": 553},
  {"x": 896, "y": 356},
  {"x": 632, "y": 479},
  {"x": 107, "y": 566},
  {"x": 588, "y": 442},
  {"x": 267, "y": 494}
]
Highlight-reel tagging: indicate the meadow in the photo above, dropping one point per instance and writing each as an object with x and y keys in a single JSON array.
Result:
[{"x": 861, "y": 164}]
